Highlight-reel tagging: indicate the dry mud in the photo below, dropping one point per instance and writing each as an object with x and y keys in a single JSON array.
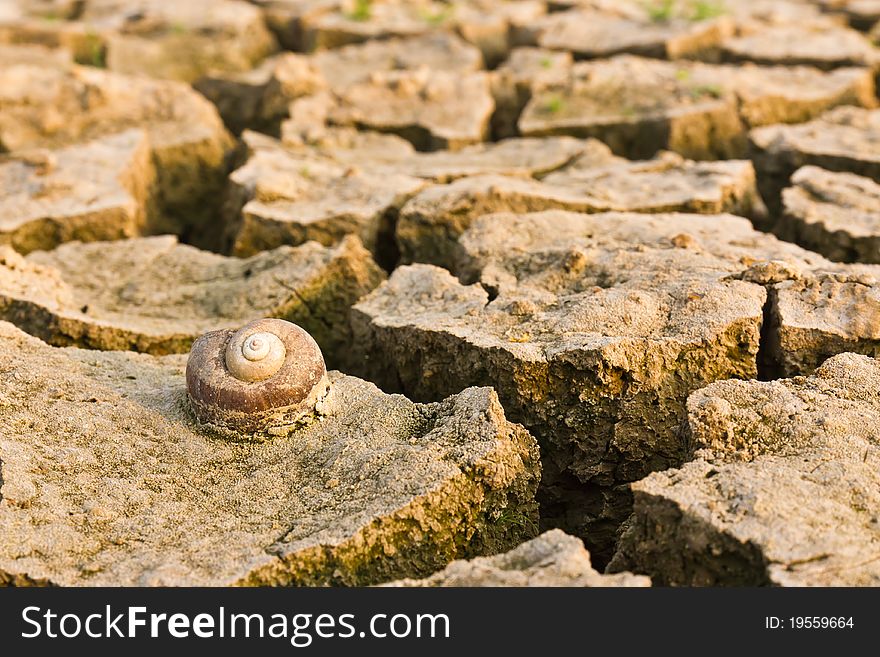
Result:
[
  {"x": 551, "y": 559},
  {"x": 107, "y": 479},
  {"x": 595, "y": 328},
  {"x": 154, "y": 295},
  {"x": 783, "y": 489},
  {"x": 603, "y": 268}
]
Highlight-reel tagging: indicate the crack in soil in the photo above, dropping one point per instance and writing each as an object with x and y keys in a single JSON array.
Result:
[{"x": 768, "y": 365}]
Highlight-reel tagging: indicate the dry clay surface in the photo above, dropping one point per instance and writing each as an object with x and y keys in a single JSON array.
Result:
[
  {"x": 45, "y": 107},
  {"x": 846, "y": 139},
  {"x": 156, "y": 296},
  {"x": 552, "y": 559},
  {"x": 170, "y": 40},
  {"x": 638, "y": 106},
  {"x": 100, "y": 190},
  {"x": 259, "y": 97},
  {"x": 836, "y": 214},
  {"x": 287, "y": 193},
  {"x": 649, "y": 226},
  {"x": 784, "y": 489},
  {"x": 594, "y": 329},
  {"x": 106, "y": 479},
  {"x": 431, "y": 223}
]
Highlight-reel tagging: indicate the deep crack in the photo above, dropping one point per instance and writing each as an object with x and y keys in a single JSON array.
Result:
[{"x": 769, "y": 366}]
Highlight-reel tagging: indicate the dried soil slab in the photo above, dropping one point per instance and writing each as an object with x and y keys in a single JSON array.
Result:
[
  {"x": 432, "y": 109},
  {"x": 73, "y": 38},
  {"x": 523, "y": 157},
  {"x": 835, "y": 214},
  {"x": 280, "y": 197},
  {"x": 345, "y": 145},
  {"x": 259, "y": 99},
  {"x": 341, "y": 69},
  {"x": 524, "y": 73},
  {"x": 552, "y": 559},
  {"x": 776, "y": 11},
  {"x": 351, "y": 21},
  {"x": 179, "y": 40},
  {"x": 47, "y": 107},
  {"x": 786, "y": 493},
  {"x": 592, "y": 328},
  {"x": 520, "y": 157},
  {"x": 100, "y": 190},
  {"x": 494, "y": 26},
  {"x": 824, "y": 44},
  {"x": 668, "y": 183},
  {"x": 431, "y": 222},
  {"x": 51, "y": 9},
  {"x": 485, "y": 23},
  {"x": 35, "y": 55},
  {"x": 438, "y": 51},
  {"x": 639, "y": 106},
  {"x": 638, "y": 29},
  {"x": 285, "y": 18},
  {"x": 815, "y": 315},
  {"x": 156, "y": 296},
  {"x": 845, "y": 139},
  {"x": 108, "y": 481},
  {"x": 862, "y": 14}
]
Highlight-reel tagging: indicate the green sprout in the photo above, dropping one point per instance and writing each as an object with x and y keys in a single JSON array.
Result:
[
  {"x": 546, "y": 62},
  {"x": 97, "y": 55},
  {"x": 706, "y": 90},
  {"x": 554, "y": 105},
  {"x": 178, "y": 28},
  {"x": 682, "y": 74},
  {"x": 660, "y": 11},
  {"x": 438, "y": 17},
  {"x": 363, "y": 10},
  {"x": 706, "y": 9},
  {"x": 510, "y": 518}
]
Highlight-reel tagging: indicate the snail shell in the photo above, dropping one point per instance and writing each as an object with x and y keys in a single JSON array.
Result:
[{"x": 266, "y": 376}]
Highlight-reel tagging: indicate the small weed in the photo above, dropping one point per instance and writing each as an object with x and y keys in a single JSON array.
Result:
[
  {"x": 706, "y": 9},
  {"x": 178, "y": 28},
  {"x": 660, "y": 11},
  {"x": 682, "y": 74},
  {"x": 546, "y": 62},
  {"x": 439, "y": 17},
  {"x": 305, "y": 172},
  {"x": 363, "y": 10},
  {"x": 510, "y": 518},
  {"x": 96, "y": 52},
  {"x": 706, "y": 90},
  {"x": 554, "y": 105}
]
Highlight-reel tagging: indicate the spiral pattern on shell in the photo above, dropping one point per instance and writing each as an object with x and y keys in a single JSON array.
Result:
[
  {"x": 254, "y": 356},
  {"x": 264, "y": 377}
]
